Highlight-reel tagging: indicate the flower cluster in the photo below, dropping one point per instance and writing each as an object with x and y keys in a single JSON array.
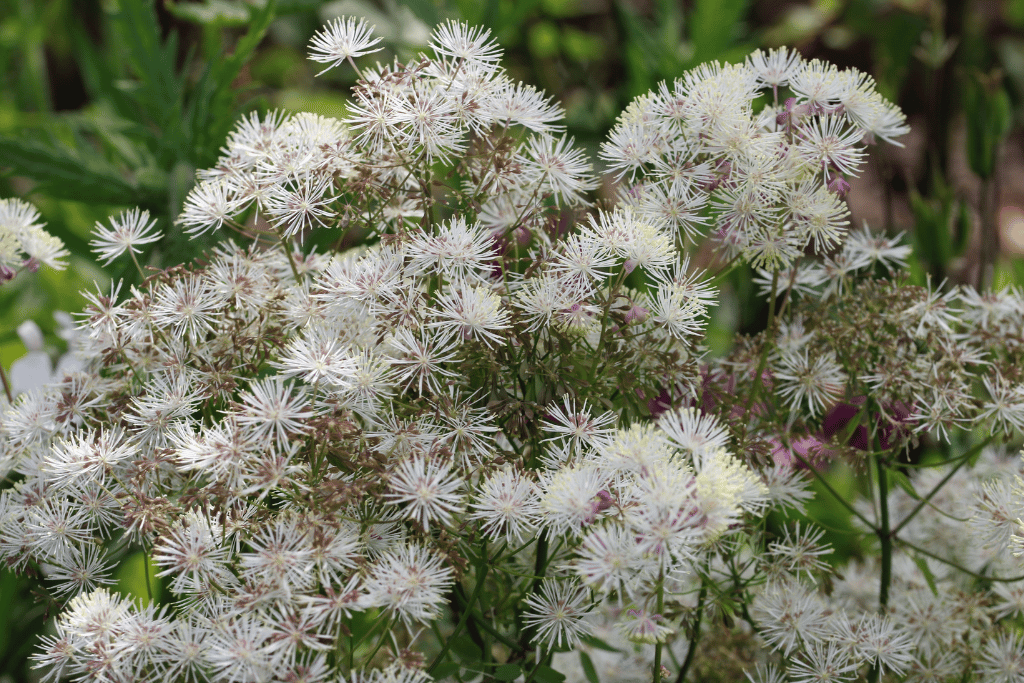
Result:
[
  {"x": 479, "y": 435},
  {"x": 24, "y": 243},
  {"x": 766, "y": 182}
]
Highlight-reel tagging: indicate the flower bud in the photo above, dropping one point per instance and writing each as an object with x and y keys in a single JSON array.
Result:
[
  {"x": 522, "y": 235},
  {"x": 838, "y": 185},
  {"x": 636, "y": 314}
]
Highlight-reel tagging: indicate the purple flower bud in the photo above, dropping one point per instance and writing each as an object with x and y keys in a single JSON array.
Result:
[
  {"x": 522, "y": 235},
  {"x": 32, "y": 265},
  {"x": 636, "y": 313},
  {"x": 838, "y": 186},
  {"x": 6, "y": 273}
]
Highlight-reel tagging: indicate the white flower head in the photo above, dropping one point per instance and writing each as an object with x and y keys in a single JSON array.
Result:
[
  {"x": 430, "y": 490},
  {"x": 342, "y": 39},
  {"x": 558, "y": 613},
  {"x": 127, "y": 231}
]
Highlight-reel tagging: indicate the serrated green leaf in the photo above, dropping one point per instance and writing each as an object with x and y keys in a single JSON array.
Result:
[
  {"x": 210, "y": 113},
  {"x": 507, "y": 672},
  {"x": 152, "y": 61},
  {"x": 588, "y": 668},
  {"x": 65, "y": 175}
]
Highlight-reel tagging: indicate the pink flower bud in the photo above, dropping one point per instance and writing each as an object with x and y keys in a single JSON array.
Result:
[
  {"x": 522, "y": 235},
  {"x": 838, "y": 186},
  {"x": 636, "y": 314}
]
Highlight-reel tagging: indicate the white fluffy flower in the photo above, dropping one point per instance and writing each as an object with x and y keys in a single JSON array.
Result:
[
  {"x": 430, "y": 490},
  {"x": 344, "y": 38}
]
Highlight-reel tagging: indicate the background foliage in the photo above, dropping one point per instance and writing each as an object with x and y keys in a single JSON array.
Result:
[{"x": 112, "y": 104}]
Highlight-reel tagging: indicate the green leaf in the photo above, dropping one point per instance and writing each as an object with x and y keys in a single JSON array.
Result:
[
  {"x": 644, "y": 53},
  {"x": 132, "y": 580},
  {"x": 212, "y": 12},
  {"x": 713, "y": 26},
  {"x": 152, "y": 61},
  {"x": 901, "y": 480},
  {"x": 65, "y": 175},
  {"x": 8, "y": 590},
  {"x": 505, "y": 672},
  {"x": 210, "y": 112},
  {"x": 443, "y": 671},
  {"x": 895, "y": 40},
  {"x": 545, "y": 674},
  {"x": 989, "y": 116},
  {"x": 928, "y": 576},
  {"x": 426, "y": 11},
  {"x": 588, "y": 668},
  {"x": 582, "y": 47},
  {"x": 597, "y": 643},
  {"x": 466, "y": 649},
  {"x": 96, "y": 75},
  {"x": 543, "y": 40}
]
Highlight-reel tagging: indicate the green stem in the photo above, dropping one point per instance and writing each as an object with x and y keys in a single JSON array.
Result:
[
  {"x": 480, "y": 576},
  {"x": 7, "y": 386},
  {"x": 539, "y": 569},
  {"x": 755, "y": 389},
  {"x": 356, "y": 643},
  {"x": 131, "y": 252},
  {"x": 383, "y": 637},
  {"x": 924, "y": 501},
  {"x": 658, "y": 646},
  {"x": 835, "y": 494},
  {"x": 989, "y": 251},
  {"x": 533, "y": 671},
  {"x": 479, "y": 620},
  {"x": 613, "y": 294},
  {"x": 958, "y": 567},
  {"x": 462, "y": 603},
  {"x": 695, "y": 632},
  {"x": 771, "y": 301},
  {"x": 291, "y": 261},
  {"x": 145, "y": 564},
  {"x": 884, "y": 534}
]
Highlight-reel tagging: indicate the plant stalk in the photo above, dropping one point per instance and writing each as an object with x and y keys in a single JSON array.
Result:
[
  {"x": 884, "y": 535},
  {"x": 658, "y": 646},
  {"x": 7, "y": 385},
  {"x": 695, "y": 633}
]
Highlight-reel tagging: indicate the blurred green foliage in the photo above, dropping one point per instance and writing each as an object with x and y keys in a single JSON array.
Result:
[{"x": 109, "y": 104}]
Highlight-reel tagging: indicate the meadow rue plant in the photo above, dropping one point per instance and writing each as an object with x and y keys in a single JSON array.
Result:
[{"x": 480, "y": 437}]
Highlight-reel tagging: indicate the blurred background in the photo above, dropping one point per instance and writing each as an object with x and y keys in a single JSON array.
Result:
[{"x": 111, "y": 104}]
